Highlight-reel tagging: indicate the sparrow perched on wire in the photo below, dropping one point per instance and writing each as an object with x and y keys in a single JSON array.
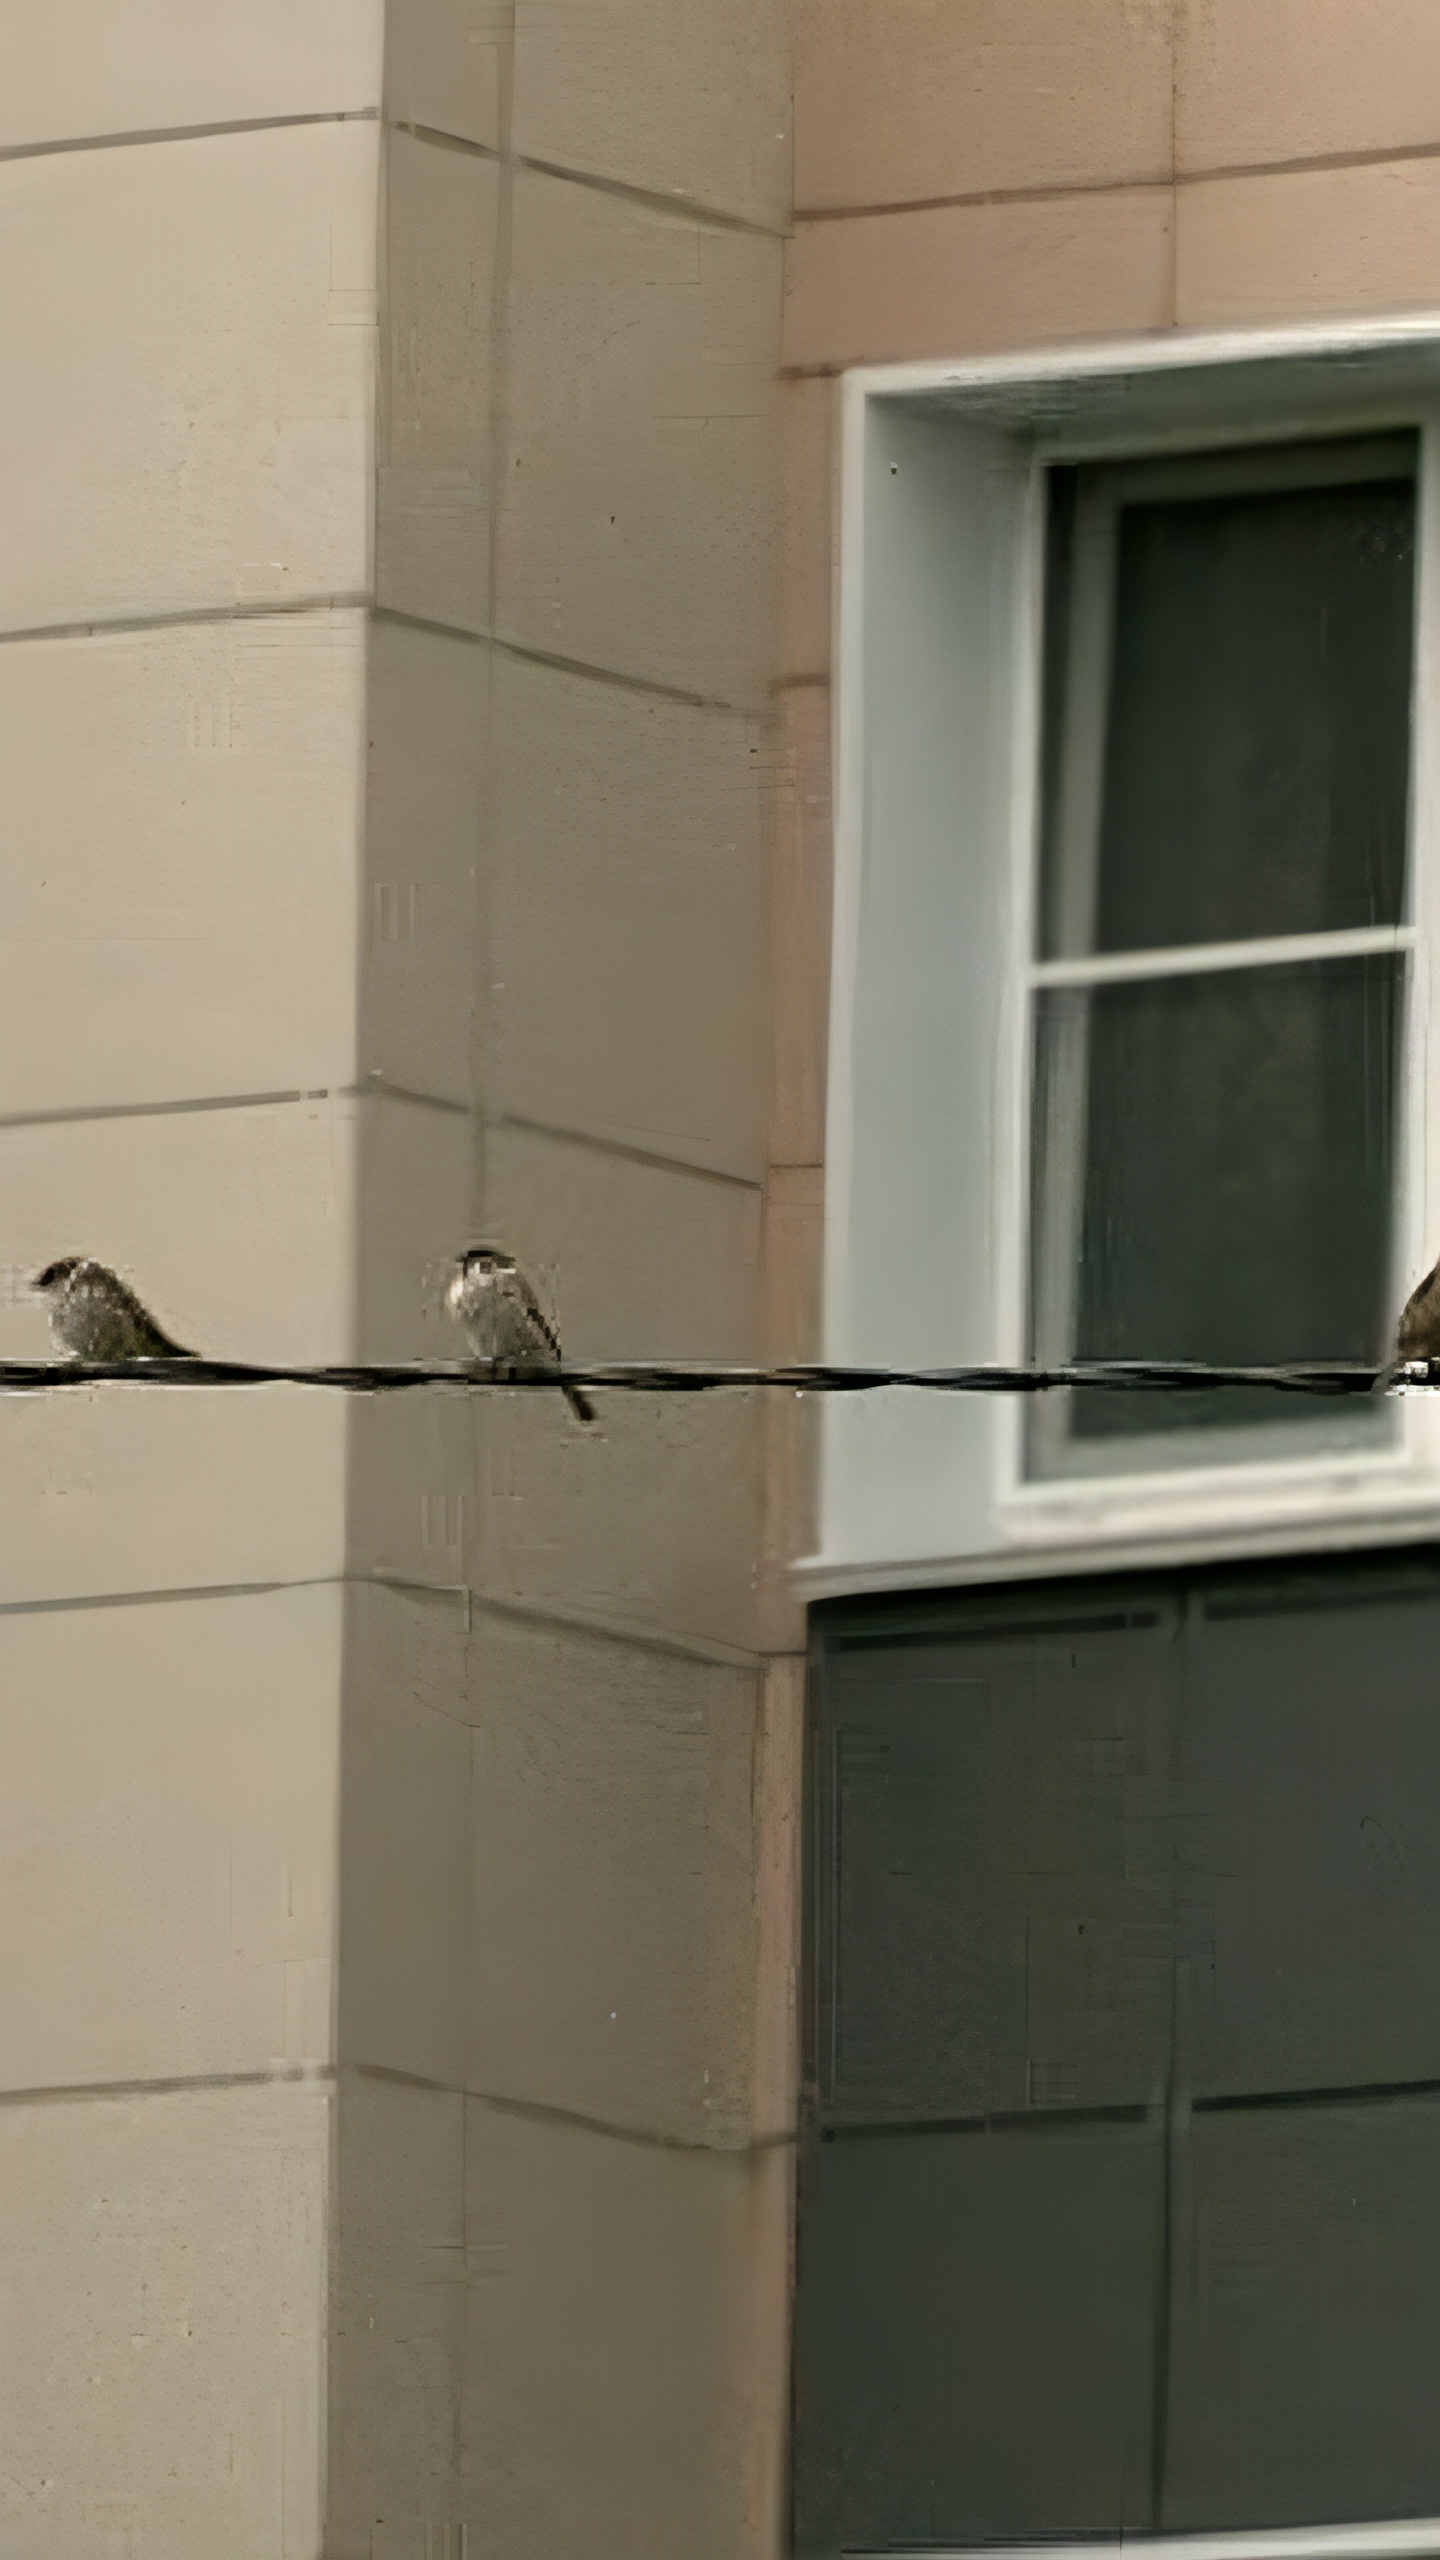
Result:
[
  {"x": 1418, "y": 1333},
  {"x": 1417, "y": 1336},
  {"x": 490, "y": 1298},
  {"x": 94, "y": 1316}
]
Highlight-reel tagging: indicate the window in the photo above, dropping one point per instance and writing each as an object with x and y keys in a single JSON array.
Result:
[
  {"x": 1119, "y": 2205},
  {"x": 1218, "y": 991},
  {"x": 1134, "y": 966}
]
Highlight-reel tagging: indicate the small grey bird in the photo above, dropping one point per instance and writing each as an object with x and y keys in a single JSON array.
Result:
[
  {"x": 94, "y": 1316},
  {"x": 490, "y": 1298},
  {"x": 1418, "y": 1334}
]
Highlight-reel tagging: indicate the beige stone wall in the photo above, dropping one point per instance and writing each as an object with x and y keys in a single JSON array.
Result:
[
  {"x": 396, "y": 2051},
  {"x": 187, "y": 269},
  {"x": 573, "y": 726},
  {"x": 1017, "y": 172}
]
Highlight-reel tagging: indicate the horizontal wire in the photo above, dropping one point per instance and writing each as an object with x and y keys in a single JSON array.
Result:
[{"x": 646, "y": 1377}]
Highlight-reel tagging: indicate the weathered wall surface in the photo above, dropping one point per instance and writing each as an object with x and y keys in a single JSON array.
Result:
[
  {"x": 573, "y": 766},
  {"x": 397, "y": 2043},
  {"x": 187, "y": 267}
]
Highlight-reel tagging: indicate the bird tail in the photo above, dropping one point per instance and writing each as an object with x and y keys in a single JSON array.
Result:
[{"x": 580, "y": 1405}]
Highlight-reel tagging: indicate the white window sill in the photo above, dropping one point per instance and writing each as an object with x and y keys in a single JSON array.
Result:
[
  {"x": 1158, "y": 1520},
  {"x": 1246, "y": 1502}
]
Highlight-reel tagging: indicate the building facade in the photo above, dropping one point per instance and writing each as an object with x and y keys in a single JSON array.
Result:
[{"x": 567, "y": 571}]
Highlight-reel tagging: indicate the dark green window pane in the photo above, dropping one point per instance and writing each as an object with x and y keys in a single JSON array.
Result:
[
  {"x": 1073, "y": 2321},
  {"x": 1214, "y": 1174},
  {"x": 999, "y": 1935},
  {"x": 1305, "y": 2345},
  {"x": 1310, "y": 1839},
  {"x": 974, "y": 2336},
  {"x": 1255, "y": 715}
]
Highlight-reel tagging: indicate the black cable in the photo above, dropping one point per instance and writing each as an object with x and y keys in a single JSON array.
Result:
[{"x": 644, "y": 1377}]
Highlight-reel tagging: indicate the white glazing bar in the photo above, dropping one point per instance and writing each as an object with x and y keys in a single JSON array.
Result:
[
  {"x": 1409, "y": 2540},
  {"x": 1203, "y": 959}
]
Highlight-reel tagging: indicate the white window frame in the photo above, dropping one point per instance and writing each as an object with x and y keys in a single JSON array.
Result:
[
  {"x": 940, "y": 544},
  {"x": 1079, "y": 785}
]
